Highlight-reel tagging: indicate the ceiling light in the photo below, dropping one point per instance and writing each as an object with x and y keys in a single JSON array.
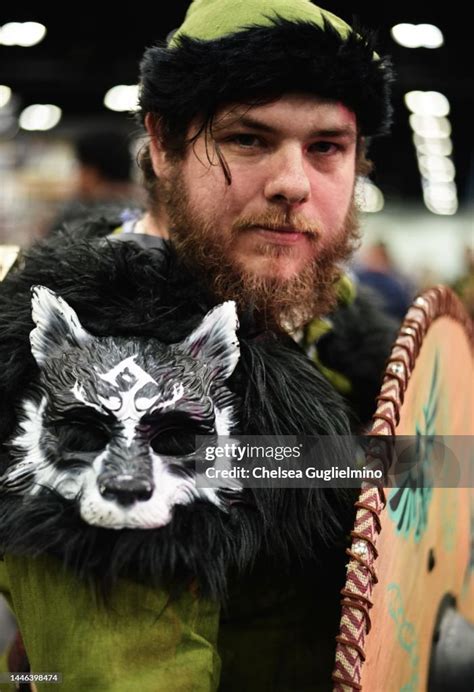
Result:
[
  {"x": 406, "y": 35},
  {"x": 23, "y": 34},
  {"x": 123, "y": 97},
  {"x": 417, "y": 35},
  {"x": 440, "y": 192},
  {"x": 430, "y": 36},
  {"x": 440, "y": 198},
  {"x": 42, "y": 116},
  {"x": 427, "y": 103},
  {"x": 369, "y": 197},
  {"x": 5, "y": 95},
  {"x": 430, "y": 126},
  {"x": 432, "y": 145}
]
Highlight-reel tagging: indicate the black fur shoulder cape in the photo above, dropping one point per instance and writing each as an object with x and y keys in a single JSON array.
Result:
[{"x": 118, "y": 288}]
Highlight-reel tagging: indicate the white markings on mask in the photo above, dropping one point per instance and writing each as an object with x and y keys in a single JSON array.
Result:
[
  {"x": 178, "y": 392},
  {"x": 224, "y": 420},
  {"x": 34, "y": 472},
  {"x": 21, "y": 476},
  {"x": 80, "y": 395},
  {"x": 128, "y": 379},
  {"x": 57, "y": 324}
]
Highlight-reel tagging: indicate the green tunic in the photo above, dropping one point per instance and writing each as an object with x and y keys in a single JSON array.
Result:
[
  {"x": 141, "y": 641},
  {"x": 276, "y": 632}
]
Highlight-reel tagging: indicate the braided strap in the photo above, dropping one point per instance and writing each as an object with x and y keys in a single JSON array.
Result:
[{"x": 361, "y": 575}]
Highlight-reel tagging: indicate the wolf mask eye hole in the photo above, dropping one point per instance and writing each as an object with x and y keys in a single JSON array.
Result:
[
  {"x": 82, "y": 437},
  {"x": 174, "y": 442},
  {"x": 174, "y": 434}
]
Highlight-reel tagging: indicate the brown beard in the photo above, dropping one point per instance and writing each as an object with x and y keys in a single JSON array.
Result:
[{"x": 286, "y": 304}]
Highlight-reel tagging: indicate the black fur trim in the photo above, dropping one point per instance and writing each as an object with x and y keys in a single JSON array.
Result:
[
  {"x": 118, "y": 289},
  {"x": 202, "y": 544},
  {"x": 260, "y": 63},
  {"x": 358, "y": 346}
]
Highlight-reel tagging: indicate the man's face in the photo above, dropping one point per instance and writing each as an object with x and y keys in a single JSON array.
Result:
[{"x": 287, "y": 215}]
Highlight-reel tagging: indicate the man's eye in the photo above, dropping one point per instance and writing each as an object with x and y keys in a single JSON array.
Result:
[
  {"x": 245, "y": 141},
  {"x": 324, "y": 148}
]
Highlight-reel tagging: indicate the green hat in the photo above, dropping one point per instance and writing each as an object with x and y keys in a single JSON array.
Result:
[
  {"x": 245, "y": 51},
  {"x": 211, "y": 19}
]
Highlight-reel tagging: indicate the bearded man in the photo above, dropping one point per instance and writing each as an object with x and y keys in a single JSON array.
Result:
[{"x": 257, "y": 115}]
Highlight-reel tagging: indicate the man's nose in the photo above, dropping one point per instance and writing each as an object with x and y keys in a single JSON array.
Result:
[{"x": 288, "y": 181}]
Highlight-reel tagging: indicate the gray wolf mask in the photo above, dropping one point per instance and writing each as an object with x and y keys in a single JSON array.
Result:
[{"x": 113, "y": 422}]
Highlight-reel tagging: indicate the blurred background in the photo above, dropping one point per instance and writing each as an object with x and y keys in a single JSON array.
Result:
[{"x": 65, "y": 72}]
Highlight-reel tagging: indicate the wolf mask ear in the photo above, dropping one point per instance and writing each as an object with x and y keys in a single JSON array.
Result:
[
  {"x": 215, "y": 341},
  {"x": 57, "y": 325}
]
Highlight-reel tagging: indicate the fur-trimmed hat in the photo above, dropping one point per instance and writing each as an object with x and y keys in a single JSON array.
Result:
[{"x": 250, "y": 51}]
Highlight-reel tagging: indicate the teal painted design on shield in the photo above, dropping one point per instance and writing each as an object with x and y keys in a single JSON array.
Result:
[
  {"x": 409, "y": 502},
  {"x": 407, "y": 636},
  {"x": 448, "y": 522}
]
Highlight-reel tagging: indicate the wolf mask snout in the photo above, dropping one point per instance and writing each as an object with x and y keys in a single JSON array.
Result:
[{"x": 125, "y": 488}]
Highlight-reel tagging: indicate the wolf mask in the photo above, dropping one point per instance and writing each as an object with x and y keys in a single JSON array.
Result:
[{"x": 113, "y": 422}]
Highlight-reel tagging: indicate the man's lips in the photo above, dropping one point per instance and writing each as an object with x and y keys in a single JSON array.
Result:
[{"x": 283, "y": 235}]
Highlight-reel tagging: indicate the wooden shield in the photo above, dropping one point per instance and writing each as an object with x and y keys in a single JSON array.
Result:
[{"x": 412, "y": 547}]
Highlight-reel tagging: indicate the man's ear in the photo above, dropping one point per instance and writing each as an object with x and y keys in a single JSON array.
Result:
[{"x": 157, "y": 152}]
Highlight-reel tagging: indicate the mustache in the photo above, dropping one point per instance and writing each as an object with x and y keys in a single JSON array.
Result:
[{"x": 275, "y": 219}]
